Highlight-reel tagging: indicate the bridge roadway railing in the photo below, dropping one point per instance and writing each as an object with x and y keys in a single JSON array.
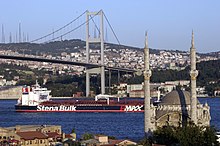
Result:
[{"x": 88, "y": 65}]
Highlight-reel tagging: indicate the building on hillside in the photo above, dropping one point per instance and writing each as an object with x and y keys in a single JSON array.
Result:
[
  {"x": 2, "y": 82},
  {"x": 102, "y": 140},
  {"x": 122, "y": 90},
  {"x": 136, "y": 90},
  {"x": 182, "y": 83},
  {"x": 168, "y": 87},
  {"x": 133, "y": 87},
  {"x": 217, "y": 92},
  {"x": 33, "y": 135},
  {"x": 136, "y": 93},
  {"x": 140, "y": 93}
]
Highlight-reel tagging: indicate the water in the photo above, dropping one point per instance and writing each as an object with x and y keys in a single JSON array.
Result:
[{"x": 120, "y": 125}]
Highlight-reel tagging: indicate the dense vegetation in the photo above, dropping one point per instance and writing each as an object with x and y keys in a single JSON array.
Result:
[
  {"x": 57, "y": 47},
  {"x": 209, "y": 75},
  {"x": 190, "y": 135}
]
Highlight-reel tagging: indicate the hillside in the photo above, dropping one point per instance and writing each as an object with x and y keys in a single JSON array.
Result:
[
  {"x": 209, "y": 76},
  {"x": 70, "y": 46}
]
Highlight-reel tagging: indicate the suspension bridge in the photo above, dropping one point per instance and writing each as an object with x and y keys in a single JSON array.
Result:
[{"x": 76, "y": 27}]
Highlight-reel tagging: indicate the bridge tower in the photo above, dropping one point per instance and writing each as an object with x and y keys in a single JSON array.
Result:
[{"x": 98, "y": 39}]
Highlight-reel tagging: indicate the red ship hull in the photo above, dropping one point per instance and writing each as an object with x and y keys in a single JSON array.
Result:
[{"x": 84, "y": 106}]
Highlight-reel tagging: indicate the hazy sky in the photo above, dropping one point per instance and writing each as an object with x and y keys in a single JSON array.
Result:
[{"x": 169, "y": 22}]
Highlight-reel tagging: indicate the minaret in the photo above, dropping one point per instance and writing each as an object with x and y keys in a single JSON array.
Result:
[
  {"x": 193, "y": 75},
  {"x": 147, "y": 75}
]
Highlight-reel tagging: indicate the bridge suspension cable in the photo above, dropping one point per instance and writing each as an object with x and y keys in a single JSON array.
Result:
[
  {"x": 74, "y": 28},
  {"x": 108, "y": 22},
  {"x": 112, "y": 30},
  {"x": 52, "y": 33},
  {"x": 95, "y": 24}
]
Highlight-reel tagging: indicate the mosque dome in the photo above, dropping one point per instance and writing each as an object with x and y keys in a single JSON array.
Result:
[
  {"x": 176, "y": 97},
  {"x": 173, "y": 108}
]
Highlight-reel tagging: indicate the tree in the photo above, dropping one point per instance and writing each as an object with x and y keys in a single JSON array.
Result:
[
  {"x": 190, "y": 134},
  {"x": 111, "y": 137},
  {"x": 73, "y": 130},
  {"x": 87, "y": 136},
  {"x": 209, "y": 137},
  {"x": 165, "y": 135},
  {"x": 146, "y": 141}
]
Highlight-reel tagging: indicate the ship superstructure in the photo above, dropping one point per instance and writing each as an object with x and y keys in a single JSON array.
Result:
[{"x": 33, "y": 96}]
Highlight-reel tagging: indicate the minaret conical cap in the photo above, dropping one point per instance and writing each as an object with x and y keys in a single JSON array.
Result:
[
  {"x": 192, "y": 41},
  {"x": 146, "y": 41}
]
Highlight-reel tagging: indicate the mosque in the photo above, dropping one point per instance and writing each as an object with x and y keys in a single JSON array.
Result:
[{"x": 177, "y": 107}]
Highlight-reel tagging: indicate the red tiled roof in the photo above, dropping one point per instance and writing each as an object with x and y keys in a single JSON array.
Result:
[
  {"x": 31, "y": 135},
  {"x": 115, "y": 142},
  {"x": 13, "y": 141},
  {"x": 111, "y": 141},
  {"x": 68, "y": 136},
  {"x": 137, "y": 91},
  {"x": 53, "y": 134}
]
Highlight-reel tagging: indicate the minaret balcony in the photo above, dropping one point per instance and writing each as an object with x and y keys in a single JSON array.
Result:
[
  {"x": 194, "y": 74},
  {"x": 147, "y": 74}
]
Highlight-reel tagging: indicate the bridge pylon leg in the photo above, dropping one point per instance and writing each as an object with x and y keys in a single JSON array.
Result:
[
  {"x": 102, "y": 80},
  {"x": 87, "y": 84}
]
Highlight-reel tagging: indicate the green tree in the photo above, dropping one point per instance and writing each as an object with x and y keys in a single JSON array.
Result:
[
  {"x": 209, "y": 137},
  {"x": 87, "y": 136},
  {"x": 73, "y": 130},
  {"x": 146, "y": 141},
  {"x": 188, "y": 135},
  {"x": 111, "y": 137},
  {"x": 165, "y": 135}
]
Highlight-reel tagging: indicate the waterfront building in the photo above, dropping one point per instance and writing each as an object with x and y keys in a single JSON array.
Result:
[
  {"x": 34, "y": 135},
  {"x": 10, "y": 92}
]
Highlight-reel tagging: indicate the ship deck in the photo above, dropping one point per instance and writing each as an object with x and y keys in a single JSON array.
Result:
[{"x": 112, "y": 102}]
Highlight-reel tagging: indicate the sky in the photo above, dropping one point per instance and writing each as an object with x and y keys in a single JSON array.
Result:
[{"x": 169, "y": 23}]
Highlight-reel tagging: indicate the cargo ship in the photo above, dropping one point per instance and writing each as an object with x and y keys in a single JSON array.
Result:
[{"x": 37, "y": 99}]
